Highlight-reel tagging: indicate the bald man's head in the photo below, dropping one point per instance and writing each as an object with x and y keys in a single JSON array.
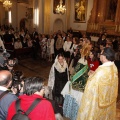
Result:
[{"x": 5, "y": 77}]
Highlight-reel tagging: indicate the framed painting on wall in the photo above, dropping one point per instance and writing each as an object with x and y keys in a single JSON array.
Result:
[
  {"x": 30, "y": 13},
  {"x": 80, "y": 9}
]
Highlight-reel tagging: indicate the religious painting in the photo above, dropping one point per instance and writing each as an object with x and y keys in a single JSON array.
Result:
[
  {"x": 29, "y": 13},
  {"x": 80, "y": 10},
  {"x": 56, "y": 3}
]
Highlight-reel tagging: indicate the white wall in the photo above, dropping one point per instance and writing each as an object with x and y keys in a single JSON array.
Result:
[
  {"x": 80, "y": 26},
  {"x": 2, "y": 14},
  {"x": 21, "y": 10},
  {"x": 54, "y": 17},
  {"x": 74, "y": 25},
  {"x": 41, "y": 18},
  {"x": 18, "y": 11}
]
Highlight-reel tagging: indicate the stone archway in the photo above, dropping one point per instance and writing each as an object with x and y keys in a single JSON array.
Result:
[
  {"x": 23, "y": 23},
  {"x": 58, "y": 25}
]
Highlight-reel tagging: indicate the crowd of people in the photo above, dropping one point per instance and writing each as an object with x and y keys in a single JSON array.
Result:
[
  {"x": 50, "y": 45},
  {"x": 89, "y": 68}
]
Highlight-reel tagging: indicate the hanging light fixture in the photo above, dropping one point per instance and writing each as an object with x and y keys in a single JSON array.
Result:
[
  {"x": 7, "y": 4},
  {"x": 60, "y": 8}
]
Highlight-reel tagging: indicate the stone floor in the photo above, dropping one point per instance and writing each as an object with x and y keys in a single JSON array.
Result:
[{"x": 41, "y": 68}]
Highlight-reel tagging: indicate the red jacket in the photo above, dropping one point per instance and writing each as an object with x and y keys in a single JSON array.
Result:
[
  {"x": 43, "y": 110},
  {"x": 93, "y": 65}
]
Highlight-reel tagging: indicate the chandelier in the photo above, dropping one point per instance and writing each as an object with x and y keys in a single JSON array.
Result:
[
  {"x": 60, "y": 8},
  {"x": 7, "y": 4}
]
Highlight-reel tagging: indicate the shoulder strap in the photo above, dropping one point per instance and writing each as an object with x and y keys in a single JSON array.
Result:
[
  {"x": 71, "y": 45},
  {"x": 3, "y": 94},
  {"x": 36, "y": 101},
  {"x": 17, "y": 104}
]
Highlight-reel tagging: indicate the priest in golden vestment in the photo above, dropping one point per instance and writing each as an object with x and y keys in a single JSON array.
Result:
[{"x": 99, "y": 98}]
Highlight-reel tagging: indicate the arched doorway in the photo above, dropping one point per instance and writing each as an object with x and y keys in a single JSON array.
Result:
[
  {"x": 58, "y": 25},
  {"x": 23, "y": 23}
]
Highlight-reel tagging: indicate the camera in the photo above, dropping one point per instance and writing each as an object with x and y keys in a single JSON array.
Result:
[
  {"x": 5, "y": 62},
  {"x": 17, "y": 81},
  {"x": 8, "y": 64}
]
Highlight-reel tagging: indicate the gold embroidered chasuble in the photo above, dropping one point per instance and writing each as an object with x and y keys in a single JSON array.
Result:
[{"x": 99, "y": 98}]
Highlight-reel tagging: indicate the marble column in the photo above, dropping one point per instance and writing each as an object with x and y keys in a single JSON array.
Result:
[
  {"x": 35, "y": 14},
  {"x": 68, "y": 8},
  {"x": 47, "y": 11},
  {"x": 14, "y": 15}
]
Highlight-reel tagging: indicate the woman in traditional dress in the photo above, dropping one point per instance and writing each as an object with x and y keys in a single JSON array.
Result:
[
  {"x": 58, "y": 77},
  {"x": 79, "y": 78},
  {"x": 74, "y": 88}
]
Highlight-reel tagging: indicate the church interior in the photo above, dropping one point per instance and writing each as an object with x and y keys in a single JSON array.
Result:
[{"x": 91, "y": 17}]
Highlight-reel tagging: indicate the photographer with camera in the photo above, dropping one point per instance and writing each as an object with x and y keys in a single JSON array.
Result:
[
  {"x": 6, "y": 97},
  {"x": 5, "y": 63},
  {"x": 33, "y": 89},
  {"x": 8, "y": 64},
  {"x": 18, "y": 83}
]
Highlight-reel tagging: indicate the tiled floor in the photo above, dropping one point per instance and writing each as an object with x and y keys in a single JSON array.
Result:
[
  {"x": 42, "y": 68},
  {"x": 31, "y": 68}
]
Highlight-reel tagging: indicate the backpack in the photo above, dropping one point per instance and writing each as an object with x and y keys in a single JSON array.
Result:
[{"x": 22, "y": 115}]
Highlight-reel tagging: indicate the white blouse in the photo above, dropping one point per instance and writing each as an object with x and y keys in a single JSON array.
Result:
[{"x": 67, "y": 45}]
